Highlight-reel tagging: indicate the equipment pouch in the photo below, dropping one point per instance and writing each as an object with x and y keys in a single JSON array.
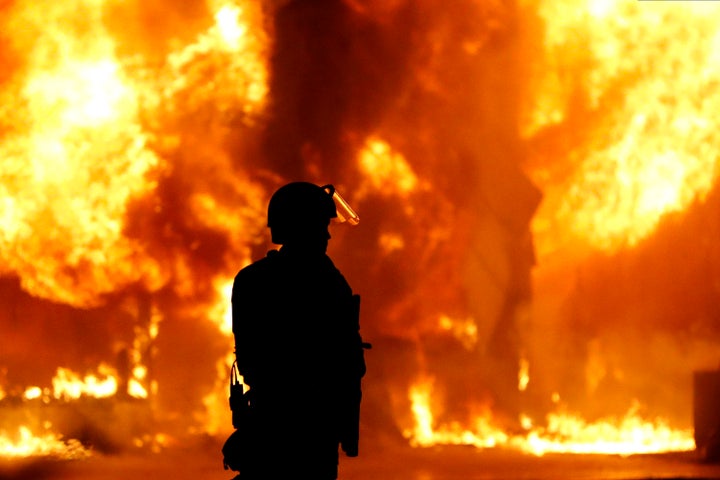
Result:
[
  {"x": 237, "y": 448},
  {"x": 239, "y": 399}
]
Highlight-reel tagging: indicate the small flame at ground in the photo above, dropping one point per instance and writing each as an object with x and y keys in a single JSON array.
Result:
[{"x": 629, "y": 435}]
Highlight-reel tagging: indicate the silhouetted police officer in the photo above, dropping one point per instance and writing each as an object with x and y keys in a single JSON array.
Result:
[{"x": 298, "y": 345}]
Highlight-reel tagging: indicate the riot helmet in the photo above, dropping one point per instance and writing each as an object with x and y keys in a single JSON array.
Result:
[{"x": 300, "y": 208}]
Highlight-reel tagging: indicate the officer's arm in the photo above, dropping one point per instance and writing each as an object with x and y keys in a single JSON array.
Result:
[{"x": 242, "y": 330}]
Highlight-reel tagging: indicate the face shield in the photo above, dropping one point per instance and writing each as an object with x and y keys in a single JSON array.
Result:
[{"x": 345, "y": 213}]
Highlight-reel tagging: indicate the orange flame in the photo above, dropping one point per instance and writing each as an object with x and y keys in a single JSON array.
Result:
[
  {"x": 641, "y": 74},
  {"x": 68, "y": 385},
  {"x": 386, "y": 170},
  {"x": 24, "y": 443},
  {"x": 81, "y": 151},
  {"x": 564, "y": 432},
  {"x": 75, "y": 158},
  {"x": 78, "y": 153},
  {"x": 425, "y": 433}
]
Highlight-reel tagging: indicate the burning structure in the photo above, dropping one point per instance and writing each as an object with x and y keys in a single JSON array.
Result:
[{"x": 538, "y": 255}]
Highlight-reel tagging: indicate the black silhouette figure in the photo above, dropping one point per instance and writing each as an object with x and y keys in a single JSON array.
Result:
[{"x": 298, "y": 348}]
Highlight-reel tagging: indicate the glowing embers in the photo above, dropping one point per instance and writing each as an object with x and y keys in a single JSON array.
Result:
[{"x": 563, "y": 432}]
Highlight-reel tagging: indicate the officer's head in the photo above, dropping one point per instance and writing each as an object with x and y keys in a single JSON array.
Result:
[{"x": 299, "y": 213}]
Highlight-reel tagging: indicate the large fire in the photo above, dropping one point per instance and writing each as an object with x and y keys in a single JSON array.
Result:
[
  {"x": 506, "y": 159},
  {"x": 651, "y": 151}
]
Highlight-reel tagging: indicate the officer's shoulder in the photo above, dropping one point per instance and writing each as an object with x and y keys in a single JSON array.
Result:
[
  {"x": 337, "y": 273},
  {"x": 258, "y": 267}
]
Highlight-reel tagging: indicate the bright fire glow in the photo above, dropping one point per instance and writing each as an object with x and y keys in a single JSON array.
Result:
[
  {"x": 221, "y": 312},
  {"x": 68, "y": 384},
  {"x": 648, "y": 71},
  {"x": 464, "y": 330},
  {"x": 31, "y": 393},
  {"x": 73, "y": 158},
  {"x": 78, "y": 149},
  {"x": 564, "y": 432},
  {"x": 425, "y": 433},
  {"x": 387, "y": 171},
  {"x": 24, "y": 443},
  {"x": 567, "y": 433},
  {"x": 244, "y": 69},
  {"x": 523, "y": 374}
]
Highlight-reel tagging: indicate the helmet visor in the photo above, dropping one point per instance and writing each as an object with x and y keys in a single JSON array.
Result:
[{"x": 345, "y": 213}]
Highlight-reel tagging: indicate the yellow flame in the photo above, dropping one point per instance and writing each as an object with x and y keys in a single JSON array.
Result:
[
  {"x": 221, "y": 312},
  {"x": 464, "y": 330},
  {"x": 68, "y": 384},
  {"x": 137, "y": 384},
  {"x": 137, "y": 389},
  {"x": 216, "y": 417},
  {"x": 631, "y": 434},
  {"x": 229, "y": 26},
  {"x": 76, "y": 149},
  {"x": 387, "y": 171},
  {"x": 564, "y": 432},
  {"x": 24, "y": 443},
  {"x": 243, "y": 68},
  {"x": 426, "y": 433},
  {"x": 31, "y": 393},
  {"x": 648, "y": 70},
  {"x": 81, "y": 93},
  {"x": 73, "y": 159},
  {"x": 523, "y": 374},
  {"x": 422, "y": 433}
]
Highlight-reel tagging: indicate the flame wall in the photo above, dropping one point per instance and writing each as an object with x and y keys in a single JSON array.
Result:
[{"x": 141, "y": 141}]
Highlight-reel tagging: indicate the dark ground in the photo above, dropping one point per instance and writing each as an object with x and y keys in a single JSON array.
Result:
[{"x": 201, "y": 460}]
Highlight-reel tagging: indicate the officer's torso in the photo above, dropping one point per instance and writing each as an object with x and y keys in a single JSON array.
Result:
[{"x": 292, "y": 312}]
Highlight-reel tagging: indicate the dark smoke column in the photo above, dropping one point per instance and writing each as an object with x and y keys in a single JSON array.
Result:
[
  {"x": 329, "y": 73},
  {"x": 308, "y": 84},
  {"x": 439, "y": 82}
]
